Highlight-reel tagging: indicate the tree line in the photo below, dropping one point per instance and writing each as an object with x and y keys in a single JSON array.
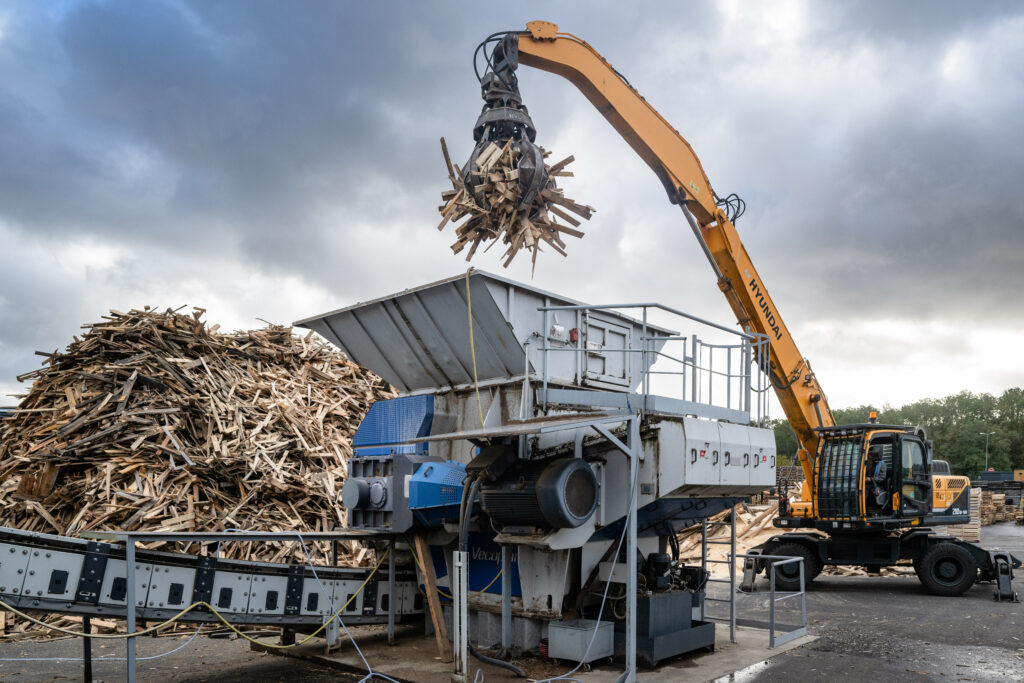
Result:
[{"x": 957, "y": 424}]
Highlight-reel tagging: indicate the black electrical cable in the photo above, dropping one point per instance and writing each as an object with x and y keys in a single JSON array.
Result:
[{"x": 497, "y": 662}]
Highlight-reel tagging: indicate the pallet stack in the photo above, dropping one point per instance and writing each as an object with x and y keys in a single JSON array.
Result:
[
  {"x": 987, "y": 508},
  {"x": 998, "y": 507},
  {"x": 1011, "y": 514},
  {"x": 153, "y": 421},
  {"x": 972, "y": 531}
]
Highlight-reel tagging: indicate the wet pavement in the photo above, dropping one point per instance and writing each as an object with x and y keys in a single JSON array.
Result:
[{"x": 874, "y": 628}]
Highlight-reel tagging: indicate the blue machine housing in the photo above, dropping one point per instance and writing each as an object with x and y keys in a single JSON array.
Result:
[
  {"x": 393, "y": 422},
  {"x": 435, "y": 491}
]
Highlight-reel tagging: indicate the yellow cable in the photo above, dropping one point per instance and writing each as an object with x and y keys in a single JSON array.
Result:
[
  {"x": 472, "y": 348},
  {"x": 179, "y": 615},
  {"x": 445, "y": 595}
]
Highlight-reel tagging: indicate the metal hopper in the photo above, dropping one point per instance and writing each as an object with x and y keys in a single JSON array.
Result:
[{"x": 419, "y": 339}]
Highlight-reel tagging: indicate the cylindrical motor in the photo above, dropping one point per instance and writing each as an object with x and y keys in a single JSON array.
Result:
[
  {"x": 551, "y": 494},
  {"x": 360, "y": 493}
]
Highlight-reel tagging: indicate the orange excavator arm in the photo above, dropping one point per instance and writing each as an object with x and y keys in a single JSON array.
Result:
[{"x": 673, "y": 160}]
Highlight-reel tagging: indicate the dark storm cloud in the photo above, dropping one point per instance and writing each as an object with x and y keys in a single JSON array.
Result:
[{"x": 880, "y": 149}]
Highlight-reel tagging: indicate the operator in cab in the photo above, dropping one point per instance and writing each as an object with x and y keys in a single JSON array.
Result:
[{"x": 877, "y": 477}]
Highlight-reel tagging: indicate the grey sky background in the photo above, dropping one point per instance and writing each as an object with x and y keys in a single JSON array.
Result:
[{"x": 276, "y": 160}]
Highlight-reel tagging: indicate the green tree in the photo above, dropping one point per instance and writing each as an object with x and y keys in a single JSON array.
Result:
[
  {"x": 956, "y": 424},
  {"x": 786, "y": 443}
]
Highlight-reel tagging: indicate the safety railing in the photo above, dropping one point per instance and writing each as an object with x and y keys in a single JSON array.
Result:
[
  {"x": 777, "y": 561},
  {"x": 732, "y": 376}
]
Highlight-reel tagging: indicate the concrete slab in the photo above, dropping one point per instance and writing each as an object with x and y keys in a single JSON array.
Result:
[{"x": 414, "y": 659}]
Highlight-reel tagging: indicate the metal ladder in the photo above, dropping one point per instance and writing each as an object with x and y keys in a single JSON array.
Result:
[{"x": 707, "y": 526}]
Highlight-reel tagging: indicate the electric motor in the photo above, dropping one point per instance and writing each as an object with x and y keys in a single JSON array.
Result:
[{"x": 550, "y": 494}]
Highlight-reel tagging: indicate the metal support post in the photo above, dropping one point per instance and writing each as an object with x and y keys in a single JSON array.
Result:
[
  {"x": 646, "y": 379},
  {"x": 391, "y": 591},
  {"x": 694, "y": 373},
  {"x": 544, "y": 359},
  {"x": 87, "y": 649},
  {"x": 771, "y": 607},
  {"x": 732, "y": 577},
  {"x": 631, "y": 545},
  {"x": 745, "y": 374},
  {"x": 129, "y": 561},
  {"x": 506, "y": 599},
  {"x": 728, "y": 377},
  {"x": 704, "y": 565},
  {"x": 460, "y": 615}
]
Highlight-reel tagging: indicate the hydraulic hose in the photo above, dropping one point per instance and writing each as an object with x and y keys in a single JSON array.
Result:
[
  {"x": 497, "y": 662},
  {"x": 467, "y": 514}
]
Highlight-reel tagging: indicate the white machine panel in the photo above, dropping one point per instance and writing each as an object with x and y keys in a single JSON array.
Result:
[
  {"x": 267, "y": 595},
  {"x": 52, "y": 574},
  {"x": 736, "y": 464},
  {"x": 171, "y": 587},
  {"x": 703, "y": 456},
  {"x": 113, "y": 591},
  {"x": 231, "y": 592},
  {"x": 762, "y": 456},
  {"x": 13, "y": 569},
  {"x": 314, "y": 599},
  {"x": 344, "y": 590}
]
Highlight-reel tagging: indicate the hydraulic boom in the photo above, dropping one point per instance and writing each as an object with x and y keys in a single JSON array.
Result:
[{"x": 673, "y": 160}]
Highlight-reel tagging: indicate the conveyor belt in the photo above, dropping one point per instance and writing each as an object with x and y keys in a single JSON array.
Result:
[{"x": 45, "y": 573}]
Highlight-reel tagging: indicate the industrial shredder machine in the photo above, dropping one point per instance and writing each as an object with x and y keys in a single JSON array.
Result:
[{"x": 527, "y": 429}]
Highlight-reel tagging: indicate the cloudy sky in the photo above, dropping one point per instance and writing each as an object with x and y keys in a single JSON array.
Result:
[{"x": 276, "y": 160}]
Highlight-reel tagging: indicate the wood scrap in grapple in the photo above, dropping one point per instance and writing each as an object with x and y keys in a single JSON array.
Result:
[
  {"x": 153, "y": 421},
  {"x": 491, "y": 205}
]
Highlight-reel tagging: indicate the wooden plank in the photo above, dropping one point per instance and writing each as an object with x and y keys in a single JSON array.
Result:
[{"x": 433, "y": 602}]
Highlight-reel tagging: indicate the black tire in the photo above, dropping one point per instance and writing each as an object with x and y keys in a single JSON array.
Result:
[
  {"x": 947, "y": 569},
  {"x": 787, "y": 576}
]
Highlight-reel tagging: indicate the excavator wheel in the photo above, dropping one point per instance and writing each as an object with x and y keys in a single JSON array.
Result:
[
  {"x": 947, "y": 569},
  {"x": 787, "y": 576}
]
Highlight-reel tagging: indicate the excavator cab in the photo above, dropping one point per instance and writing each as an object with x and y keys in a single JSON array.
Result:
[{"x": 871, "y": 474}]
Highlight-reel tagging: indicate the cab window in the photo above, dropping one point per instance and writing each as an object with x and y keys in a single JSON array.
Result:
[{"x": 915, "y": 488}]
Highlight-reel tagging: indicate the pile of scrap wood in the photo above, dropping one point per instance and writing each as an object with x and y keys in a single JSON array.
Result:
[
  {"x": 490, "y": 196},
  {"x": 753, "y": 527},
  {"x": 153, "y": 421},
  {"x": 905, "y": 569}
]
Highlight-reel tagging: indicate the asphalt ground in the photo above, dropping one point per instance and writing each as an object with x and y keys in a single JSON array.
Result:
[
  {"x": 866, "y": 628},
  {"x": 877, "y": 628}
]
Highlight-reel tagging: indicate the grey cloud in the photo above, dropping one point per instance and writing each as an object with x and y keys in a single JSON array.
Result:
[{"x": 302, "y": 140}]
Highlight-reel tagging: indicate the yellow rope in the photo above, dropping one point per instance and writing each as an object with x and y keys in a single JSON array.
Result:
[
  {"x": 472, "y": 348},
  {"x": 179, "y": 615}
]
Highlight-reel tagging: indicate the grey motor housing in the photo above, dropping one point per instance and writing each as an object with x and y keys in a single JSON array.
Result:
[{"x": 550, "y": 494}]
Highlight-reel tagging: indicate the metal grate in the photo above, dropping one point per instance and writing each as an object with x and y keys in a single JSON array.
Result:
[{"x": 839, "y": 474}]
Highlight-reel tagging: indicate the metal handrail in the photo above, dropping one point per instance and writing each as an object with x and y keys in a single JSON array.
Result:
[
  {"x": 744, "y": 388},
  {"x": 780, "y": 560}
]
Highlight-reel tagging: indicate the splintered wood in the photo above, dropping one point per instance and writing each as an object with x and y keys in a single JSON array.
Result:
[
  {"x": 492, "y": 206},
  {"x": 152, "y": 421},
  {"x": 753, "y": 527}
]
